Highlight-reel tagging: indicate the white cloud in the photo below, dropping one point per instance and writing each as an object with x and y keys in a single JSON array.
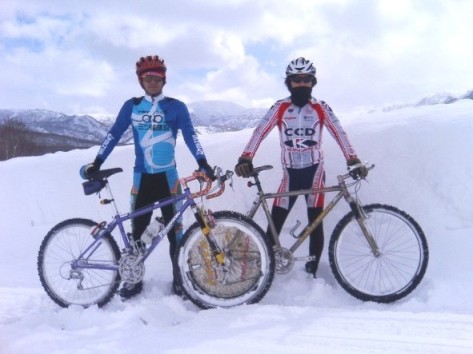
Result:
[{"x": 73, "y": 56}]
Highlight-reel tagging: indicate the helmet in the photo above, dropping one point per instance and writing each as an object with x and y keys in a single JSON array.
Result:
[
  {"x": 150, "y": 63},
  {"x": 300, "y": 66}
]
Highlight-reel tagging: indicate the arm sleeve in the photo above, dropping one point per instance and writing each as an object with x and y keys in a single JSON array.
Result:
[
  {"x": 338, "y": 133},
  {"x": 264, "y": 127},
  {"x": 188, "y": 132},
  {"x": 121, "y": 124}
]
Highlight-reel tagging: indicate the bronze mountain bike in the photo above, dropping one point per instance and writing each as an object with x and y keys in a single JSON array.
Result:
[{"x": 377, "y": 252}]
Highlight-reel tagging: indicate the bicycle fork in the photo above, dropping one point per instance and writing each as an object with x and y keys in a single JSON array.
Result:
[
  {"x": 360, "y": 217},
  {"x": 205, "y": 225}
]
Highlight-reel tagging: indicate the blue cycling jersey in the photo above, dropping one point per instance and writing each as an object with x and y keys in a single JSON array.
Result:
[{"x": 155, "y": 123}]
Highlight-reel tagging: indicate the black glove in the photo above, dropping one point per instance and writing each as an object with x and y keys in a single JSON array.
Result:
[
  {"x": 90, "y": 168},
  {"x": 359, "y": 172},
  {"x": 244, "y": 167},
  {"x": 205, "y": 168}
]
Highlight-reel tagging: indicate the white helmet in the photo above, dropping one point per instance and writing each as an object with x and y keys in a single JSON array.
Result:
[{"x": 300, "y": 66}]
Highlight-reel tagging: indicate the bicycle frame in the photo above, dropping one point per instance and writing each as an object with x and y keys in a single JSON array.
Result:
[
  {"x": 187, "y": 199},
  {"x": 343, "y": 192}
]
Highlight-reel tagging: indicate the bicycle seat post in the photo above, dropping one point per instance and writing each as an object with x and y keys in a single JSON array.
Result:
[
  {"x": 255, "y": 175},
  {"x": 111, "y": 199},
  {"x": 256, "y": 183}
]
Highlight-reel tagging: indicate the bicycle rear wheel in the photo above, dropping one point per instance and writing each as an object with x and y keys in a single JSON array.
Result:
[
  {"x": 398, "y": 269},
  {"x": 67, "y": 285},
  {"x": 249, "y": 263}
]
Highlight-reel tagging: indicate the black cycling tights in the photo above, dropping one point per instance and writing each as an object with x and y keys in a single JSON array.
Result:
[{"x": 153, "y": 187}]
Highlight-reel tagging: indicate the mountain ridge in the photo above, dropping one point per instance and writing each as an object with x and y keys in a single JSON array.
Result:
[{"x": 209, "y": 116}]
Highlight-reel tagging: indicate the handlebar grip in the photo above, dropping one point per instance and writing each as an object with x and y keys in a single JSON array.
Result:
[{"x": 354, "y": 167}]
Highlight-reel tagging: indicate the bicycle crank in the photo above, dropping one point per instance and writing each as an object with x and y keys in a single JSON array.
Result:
[
  {"x": 284, "y": 260},
  {"x": 131, "y": 271}
]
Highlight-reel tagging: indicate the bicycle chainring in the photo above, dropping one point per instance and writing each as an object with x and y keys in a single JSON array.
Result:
[
  {"x": 130, "y": 271},
  {"x": 284, "y": 260}
]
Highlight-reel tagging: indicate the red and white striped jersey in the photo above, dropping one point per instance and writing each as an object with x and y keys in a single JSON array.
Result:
[{"x": 300, "y": 132}]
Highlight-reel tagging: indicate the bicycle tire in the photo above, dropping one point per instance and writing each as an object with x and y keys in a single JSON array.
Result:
[
  {"x": 399, "y": 268},
  {"x": 83, "y": 287},
  {"x": 251, "y": 263}
]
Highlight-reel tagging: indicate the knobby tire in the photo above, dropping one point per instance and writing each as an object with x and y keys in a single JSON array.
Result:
[{"x": 399, "y": 268}]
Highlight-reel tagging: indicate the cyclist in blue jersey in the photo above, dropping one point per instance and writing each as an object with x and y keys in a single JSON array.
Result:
[{"x": 155, "y": 120}]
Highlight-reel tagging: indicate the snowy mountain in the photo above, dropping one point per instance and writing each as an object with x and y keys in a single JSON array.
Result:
[
  {"x": 217, "y": 116},
  {"x": 44, "y": 121},
  {"x": 209, "y": 116},
  {"x": 438, "y": 98}
]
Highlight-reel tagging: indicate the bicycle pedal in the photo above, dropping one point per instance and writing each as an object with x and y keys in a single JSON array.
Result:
[{"x": 311, "y": 268}]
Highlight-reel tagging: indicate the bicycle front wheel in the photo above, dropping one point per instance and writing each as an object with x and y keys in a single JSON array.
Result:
[
  {"x": 68, "y": 285},
  {"x": 392, "y": 274},
  {"x": 249, "y": 263}
]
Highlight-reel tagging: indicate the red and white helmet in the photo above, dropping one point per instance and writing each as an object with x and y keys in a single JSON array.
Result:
[{"x": 300, "y": 66}]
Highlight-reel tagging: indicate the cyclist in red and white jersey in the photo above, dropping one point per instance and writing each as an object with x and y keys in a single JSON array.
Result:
[{"x": 300, "y": 119}]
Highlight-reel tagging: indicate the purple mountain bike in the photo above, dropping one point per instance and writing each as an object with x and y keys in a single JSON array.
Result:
[{"x": 223, "y": 259}]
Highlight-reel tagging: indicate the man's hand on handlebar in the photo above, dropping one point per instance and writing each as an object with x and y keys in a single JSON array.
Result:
[
  {"x": 205, "y": 168},
  {"x": 357, "y": 169}
]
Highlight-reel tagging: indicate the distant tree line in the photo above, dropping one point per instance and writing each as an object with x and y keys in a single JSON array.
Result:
[{"x": 16, "y": 139}]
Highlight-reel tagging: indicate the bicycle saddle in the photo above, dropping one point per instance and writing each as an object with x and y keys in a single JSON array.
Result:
[
  {"x": 257, "y": 170},
  {"x": 102, "y": 174}
]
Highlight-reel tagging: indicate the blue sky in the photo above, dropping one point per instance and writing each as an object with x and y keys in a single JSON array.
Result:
[{"x": 79, "y": 57}]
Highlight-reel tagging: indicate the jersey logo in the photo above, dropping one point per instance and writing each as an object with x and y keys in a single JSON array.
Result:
[
  {"x": 300, "y": 131},
  {"x": 300, "y": 143}
]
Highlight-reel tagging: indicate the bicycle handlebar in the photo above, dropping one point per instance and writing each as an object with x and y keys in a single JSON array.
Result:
[
  {"x": 256, "y": 171},
  {"x": 353, "y": 168},
  {"x": 97, "y": 181},
  {"x": 202, "y": 177}
]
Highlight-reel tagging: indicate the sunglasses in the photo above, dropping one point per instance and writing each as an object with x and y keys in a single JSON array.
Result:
[
  {"x": 151, "y": 78},
  {"x": 304, "y": 79}
]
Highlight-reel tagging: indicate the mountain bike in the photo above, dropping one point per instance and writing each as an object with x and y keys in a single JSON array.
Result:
[
  {"x": 376, "y": 252},
  {"x": 80, "y": 263}
]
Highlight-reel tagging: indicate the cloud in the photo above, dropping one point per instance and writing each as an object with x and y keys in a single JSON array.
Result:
[{"x": 70, "y": 57}]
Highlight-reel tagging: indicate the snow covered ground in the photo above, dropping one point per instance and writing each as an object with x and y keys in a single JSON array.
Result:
[{"x": 423, "y": 166}]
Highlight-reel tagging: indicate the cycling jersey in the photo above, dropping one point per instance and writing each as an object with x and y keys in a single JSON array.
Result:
[
  {"x": 300, "y": 132},
  {"x": 155, "y": 123}
]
